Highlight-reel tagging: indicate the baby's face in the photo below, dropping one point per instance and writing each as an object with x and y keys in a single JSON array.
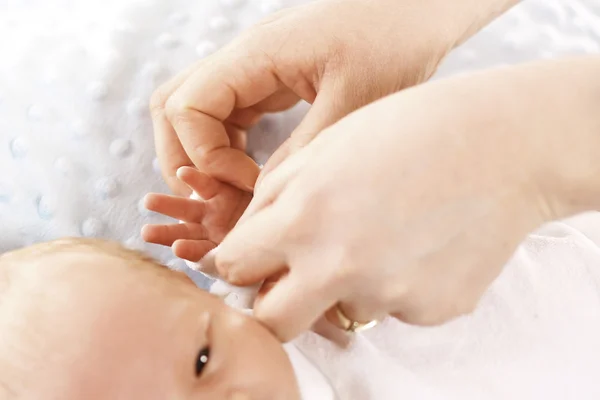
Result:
[{"x": 93, "y": 326}]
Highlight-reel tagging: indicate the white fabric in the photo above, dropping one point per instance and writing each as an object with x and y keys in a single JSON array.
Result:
[
  {"x": 534, "y": 336},
  {"x": 312, "y": 383}
]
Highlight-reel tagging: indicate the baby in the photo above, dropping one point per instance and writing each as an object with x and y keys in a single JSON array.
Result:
[{"x": 87, "y": 319}]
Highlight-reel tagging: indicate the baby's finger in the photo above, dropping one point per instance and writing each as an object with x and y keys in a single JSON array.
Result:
[
  {"x": 192, "y": 250},
  {"x": 166, "y": 235},
  {"x": 203, "y": 185},
  {"x": 176, "y": 207}
]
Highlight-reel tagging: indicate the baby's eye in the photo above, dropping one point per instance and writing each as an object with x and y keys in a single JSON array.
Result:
[{"x": 202, "y": 360}]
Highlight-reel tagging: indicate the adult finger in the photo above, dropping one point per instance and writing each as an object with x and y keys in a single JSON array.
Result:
[
  {"x": 252, "y": 251},
  {"x": 294, "y": 304},
  {"x": 169, "y": 151},
  {"x": 197, "y": 111}
]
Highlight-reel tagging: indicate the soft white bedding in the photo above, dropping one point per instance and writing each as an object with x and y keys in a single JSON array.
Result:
[{"x": 76, "y": 148}]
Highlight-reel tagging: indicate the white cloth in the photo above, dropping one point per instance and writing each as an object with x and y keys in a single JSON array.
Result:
[
  {"x": 535, "y": 335},
  {"x": 312, "y": 383}
]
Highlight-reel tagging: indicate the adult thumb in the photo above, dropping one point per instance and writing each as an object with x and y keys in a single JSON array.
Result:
[{"x": 293, "y": 305}]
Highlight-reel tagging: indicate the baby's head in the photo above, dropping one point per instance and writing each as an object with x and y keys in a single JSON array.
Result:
[{"x": 86, "y": 319}]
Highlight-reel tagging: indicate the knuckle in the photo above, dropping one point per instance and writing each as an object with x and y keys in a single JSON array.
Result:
[
  {"x": 346, "y": 268},
  {"x": 176, "y": 110},
  {"x": 158, "y": 100},
  {"x": 299, "y": 215}
]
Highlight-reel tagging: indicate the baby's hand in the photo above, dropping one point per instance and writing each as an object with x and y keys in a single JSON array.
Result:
[{"x": 205, "y": 218}]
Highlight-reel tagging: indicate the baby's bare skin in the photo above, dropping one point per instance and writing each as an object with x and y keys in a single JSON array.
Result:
[{"x": 87, "y": 319}]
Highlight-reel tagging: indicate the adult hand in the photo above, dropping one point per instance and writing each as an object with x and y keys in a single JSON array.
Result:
[
  {"x": 412, "y": 205},
  {"x": 337, "y": 55}
]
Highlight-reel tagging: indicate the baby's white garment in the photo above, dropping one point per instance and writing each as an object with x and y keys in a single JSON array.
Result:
[
  {"x": 312, "y": 383},
  {"x": 535, "y": 335}
]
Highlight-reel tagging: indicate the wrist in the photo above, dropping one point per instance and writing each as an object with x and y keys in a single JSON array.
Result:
[
  {"x": 437, "y": 26},
  {"x": 538, "y": 126},
  {"x": 473, "y": 15},
  {"x": 569, "y": 170}
]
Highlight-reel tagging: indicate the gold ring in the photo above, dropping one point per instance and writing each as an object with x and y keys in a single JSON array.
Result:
[{"x": 353, "y": 326}]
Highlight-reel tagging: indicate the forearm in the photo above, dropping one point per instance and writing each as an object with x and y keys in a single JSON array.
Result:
[
  {"x": 427, "y": 29},
  {"x": 455, "y": 21},
  {"x": 458, "y": 20},
  {"x": 543, "y": 118},
  {"x": 534, "y": 129}
]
